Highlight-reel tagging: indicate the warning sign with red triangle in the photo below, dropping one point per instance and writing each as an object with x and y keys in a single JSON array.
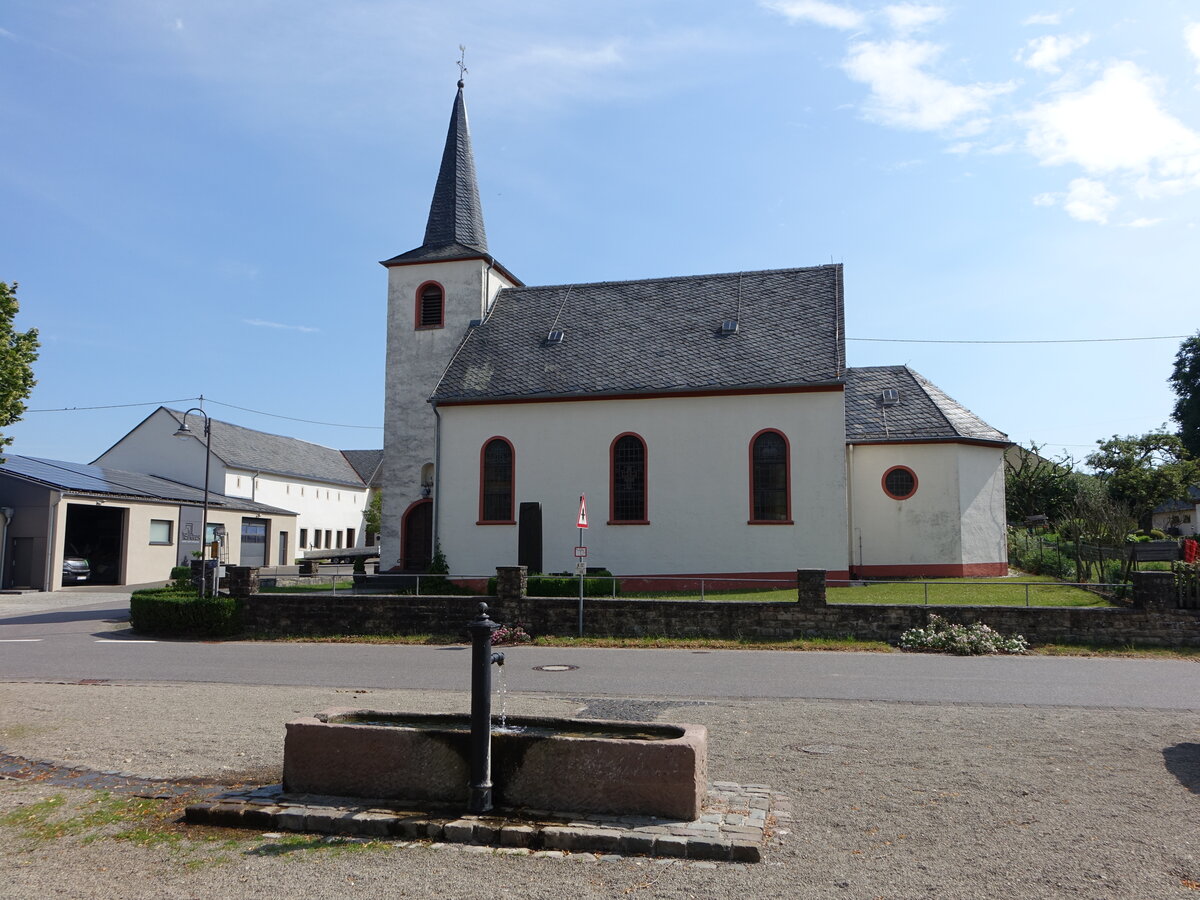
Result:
[{"x": 582, "y": 511}]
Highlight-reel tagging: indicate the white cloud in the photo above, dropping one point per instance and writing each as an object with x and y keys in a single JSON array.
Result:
[
  {"x": 1191, "y": 34},
  {"x": 906, "y": 17},
  {"x": 261, "y": 323},
  {"x": 1043, "y": 19},
  {"x": 1046, "y": 199},
  {"x": 818, "y": 11},
  {"x": 1116, "y": 125},
  {"x": 904, "y": 95},
  {"x": 559, "y": 57},
  {"x": 1089, "y": 201},
  {"x": 1045, "y": 53},
  {"x": 1142, "y": 223}
]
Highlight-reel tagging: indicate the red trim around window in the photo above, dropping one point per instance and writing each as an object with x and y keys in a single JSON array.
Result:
[
  {"x": 787, "y": 468},
  {"x": 883, "y": 482},
  {"x": 417, "y": 306},
  {"x": 612, "y": 486},
  {"x": 512, "y": 482}
]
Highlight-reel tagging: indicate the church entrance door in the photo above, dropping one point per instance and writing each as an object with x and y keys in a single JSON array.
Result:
[{"x": 417, "y": 538}]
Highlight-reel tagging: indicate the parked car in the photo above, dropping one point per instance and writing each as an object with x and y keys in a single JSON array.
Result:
[{"x": 75, "y": 569}]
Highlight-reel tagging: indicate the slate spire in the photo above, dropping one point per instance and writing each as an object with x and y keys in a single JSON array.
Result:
[{"x": 455, "y": 215}]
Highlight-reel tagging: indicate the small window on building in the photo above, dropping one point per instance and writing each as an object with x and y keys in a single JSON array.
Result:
[
  {"x": 496, "y": 486},
  {"x": 328, "y": 539},
  {"x": 770, "y": 499},
  {"x": 338, "y": 536},
  {"x": 316, "y": 538},
  {"x": 160, "y": 531},
  {"x": 303, "y": 538},
  {"x": 627, "y": 479},
  {"x": 349, "y": 537},
  {"x": 899, "y": 482},
  {"x": 430, "y": 306}
]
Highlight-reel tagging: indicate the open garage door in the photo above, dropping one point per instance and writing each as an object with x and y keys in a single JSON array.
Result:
[{"x": 97, "y": 534}]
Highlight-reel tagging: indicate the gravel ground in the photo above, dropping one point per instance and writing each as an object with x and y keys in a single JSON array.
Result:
[{"x": 890, "y": 800}]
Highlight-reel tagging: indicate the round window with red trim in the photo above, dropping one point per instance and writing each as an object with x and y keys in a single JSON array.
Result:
[{"x": 899, "y": 482}]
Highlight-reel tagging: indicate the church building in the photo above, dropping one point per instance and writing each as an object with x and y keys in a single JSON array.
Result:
[{"x": 710, "y": 422}]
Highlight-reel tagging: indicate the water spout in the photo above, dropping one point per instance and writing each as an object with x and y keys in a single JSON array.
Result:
[{"x": 482, "y": 660}]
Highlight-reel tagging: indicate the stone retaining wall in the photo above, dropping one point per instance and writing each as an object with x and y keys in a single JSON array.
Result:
[{"x": 376, "y": 614}]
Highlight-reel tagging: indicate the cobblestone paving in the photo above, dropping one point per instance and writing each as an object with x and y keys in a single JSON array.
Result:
[{"x": 737, "y": 822}]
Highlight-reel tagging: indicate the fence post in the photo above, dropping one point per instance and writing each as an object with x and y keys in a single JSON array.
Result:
[
  {"x": 810, "y": 587},
  {"x": 701, "y": 590},
  {"x": 926, "y": 584}
]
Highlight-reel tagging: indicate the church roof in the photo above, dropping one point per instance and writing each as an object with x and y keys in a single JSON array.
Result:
[
  {"x": 653, "y": 336},
  {"x": 919, "y": 409},
  {"x": 454, "y": 229}
]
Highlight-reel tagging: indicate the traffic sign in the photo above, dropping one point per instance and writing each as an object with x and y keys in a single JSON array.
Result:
[
  {"x": 582, "y": 523},
  {"x": 581, "y": 552},
  {"x": 581, "y": 567}
]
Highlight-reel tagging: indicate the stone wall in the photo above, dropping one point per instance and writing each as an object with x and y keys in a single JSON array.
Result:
[{"x": 377, "y": 614}]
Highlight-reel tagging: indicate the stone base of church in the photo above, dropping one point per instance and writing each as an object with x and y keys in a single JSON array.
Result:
[{"x": 947, "y": 570}]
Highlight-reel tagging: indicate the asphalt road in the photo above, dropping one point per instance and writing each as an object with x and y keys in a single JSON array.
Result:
[{"x": 72, "y": 636}]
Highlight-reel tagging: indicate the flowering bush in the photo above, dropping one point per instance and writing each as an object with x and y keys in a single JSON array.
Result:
[
  {"x": 510, "y": 634},
  {"x": 940, "y": 636}
]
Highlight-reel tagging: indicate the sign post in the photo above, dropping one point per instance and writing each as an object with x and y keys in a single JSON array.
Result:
[{"x": 581, "y": 563}]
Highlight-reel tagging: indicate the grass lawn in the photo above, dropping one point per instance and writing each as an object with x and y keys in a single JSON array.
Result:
[
  {"x": 1043, "y": 591},
  {"x": 307, "y": 588}
]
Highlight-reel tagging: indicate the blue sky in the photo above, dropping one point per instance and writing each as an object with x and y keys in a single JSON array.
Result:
[{"x": 194, "y": 196}]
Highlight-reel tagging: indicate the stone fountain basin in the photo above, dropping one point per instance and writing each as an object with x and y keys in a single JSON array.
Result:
[{"x": 558, "y": 765}]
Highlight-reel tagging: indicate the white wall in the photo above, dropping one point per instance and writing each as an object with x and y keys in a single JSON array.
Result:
[
  {"x": 955, "y": 517},
  {"x": 152, "y": 448},
  {"x": 317, "y": 505},
  {"x": 698, "y": 483}
]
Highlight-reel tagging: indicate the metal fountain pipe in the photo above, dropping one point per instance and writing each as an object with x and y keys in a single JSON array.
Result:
[{"x": 482, "y": 658}]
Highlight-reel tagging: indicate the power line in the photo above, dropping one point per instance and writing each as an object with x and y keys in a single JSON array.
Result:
[
  {"x": 1162, "y": 337},
  {"x": 257, "y": 412}
]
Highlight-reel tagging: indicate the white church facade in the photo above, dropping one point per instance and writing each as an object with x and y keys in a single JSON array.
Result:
[{"x": 711, "y": 422}]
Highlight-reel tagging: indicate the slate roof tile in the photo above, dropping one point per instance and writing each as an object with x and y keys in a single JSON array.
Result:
[
  {"x": 655, "y": 335},
  {"x": 924, "y": 411}
]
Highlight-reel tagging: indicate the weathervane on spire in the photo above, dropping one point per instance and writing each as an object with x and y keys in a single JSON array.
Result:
[{"x": 462, "y": 67}]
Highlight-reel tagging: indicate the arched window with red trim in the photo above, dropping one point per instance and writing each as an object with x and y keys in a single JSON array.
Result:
[
  {"x": 627, "y": 480},
  {"x": 770, "y": 478},
  {"x": 496, "y": 482},
  {"x": 431, "y": 305}
]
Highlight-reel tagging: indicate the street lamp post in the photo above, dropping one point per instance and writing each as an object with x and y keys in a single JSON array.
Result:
[{"x": 184, "y": 432}]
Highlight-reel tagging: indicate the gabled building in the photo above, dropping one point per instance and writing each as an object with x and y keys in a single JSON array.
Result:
[
  {"x": 132, "y": 528},
  {"x": 321, "y": 486},
  {"x": 710, "y": 421}
]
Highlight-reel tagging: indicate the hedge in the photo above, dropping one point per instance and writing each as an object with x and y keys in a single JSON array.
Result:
[
  {"x": 171, "y": 612},
  {"x": 562, "y": 586}
]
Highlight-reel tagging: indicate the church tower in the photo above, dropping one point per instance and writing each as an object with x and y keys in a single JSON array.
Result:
[{"x": 435, "y": 292}]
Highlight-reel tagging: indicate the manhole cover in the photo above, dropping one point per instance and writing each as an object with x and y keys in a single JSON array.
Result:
[{"x": 555, "y": 668}]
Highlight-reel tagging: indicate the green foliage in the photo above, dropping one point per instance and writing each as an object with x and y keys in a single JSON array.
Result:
[
  {"x": 940, "y": 636},
  {"x": 1039, "y": 556},
  {"x": 181, "y": 577},
  {"x": 1145, "y": 470},
  {"x": 360, "y": 565},
  {"x": 1034, "y": 485},
  {"x": 565, "y": 585},
  {"x": 438, "y": 565},
  {"x": 1185, "y": 382},
  {"x": 373, "y": 515},
  {"x": 18, "y": 350},
  {"x": 174, "y": 612}
]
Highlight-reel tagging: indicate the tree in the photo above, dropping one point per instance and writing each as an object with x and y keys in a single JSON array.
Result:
[
  {"x": 1145, "y": 470},
  {"x": 1185, "y": 382},
  {"x": 373, "y": 517},
  {"x": 17, "y": 352},
  {"x": 1035, "y": 485}
]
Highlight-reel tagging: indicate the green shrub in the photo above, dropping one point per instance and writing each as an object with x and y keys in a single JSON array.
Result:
[
  {"x": 181, "y": 577},
  {"x": 174, "y": 612},
  {"x": 598, "y": 584},
  {"x": 360, "y": 565},
  {"x": 940, "y": 636}
]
